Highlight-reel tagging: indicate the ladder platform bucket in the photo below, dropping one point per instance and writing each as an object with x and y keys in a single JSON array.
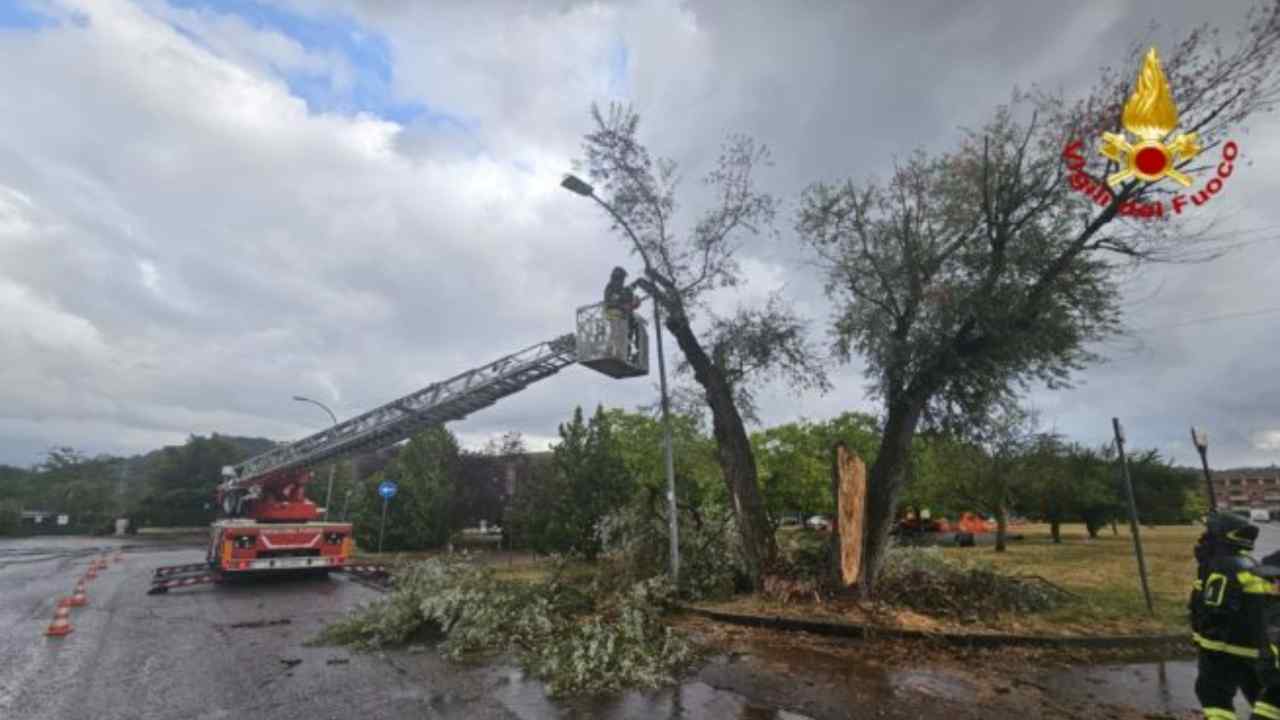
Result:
[{"x": 612, "y": 342}]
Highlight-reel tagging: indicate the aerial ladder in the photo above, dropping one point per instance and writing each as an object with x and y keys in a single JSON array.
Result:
[{"x": 267, "y": 522}]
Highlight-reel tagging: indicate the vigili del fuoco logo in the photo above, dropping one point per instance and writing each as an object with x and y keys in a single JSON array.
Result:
[{"x": 1150, "y": 117}]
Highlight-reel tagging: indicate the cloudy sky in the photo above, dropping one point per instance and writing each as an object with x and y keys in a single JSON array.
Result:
[{"x": 207, "y": 207}]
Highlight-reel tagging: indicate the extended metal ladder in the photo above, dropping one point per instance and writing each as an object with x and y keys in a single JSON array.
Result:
[{"x": 452, "y": 399}]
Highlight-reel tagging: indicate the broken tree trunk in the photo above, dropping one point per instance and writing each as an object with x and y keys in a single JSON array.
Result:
[{"x": 849, "y": 485}]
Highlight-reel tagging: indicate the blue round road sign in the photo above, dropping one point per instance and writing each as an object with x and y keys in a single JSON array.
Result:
[{"x": 387, "y": 489}]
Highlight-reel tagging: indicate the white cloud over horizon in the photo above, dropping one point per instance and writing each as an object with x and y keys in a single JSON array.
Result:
[{"x": 205, "y": 211}]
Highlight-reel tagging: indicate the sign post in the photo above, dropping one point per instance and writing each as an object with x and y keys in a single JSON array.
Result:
[
  {"x": 387, "y": 489},
  {"x": 1133, "y": 513}
]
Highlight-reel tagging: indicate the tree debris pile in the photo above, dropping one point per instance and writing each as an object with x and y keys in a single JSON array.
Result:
[
  {"x": 924, "y": 580},
  {"x": 574, "y": 641},
  {"x": 802, "y": 572}
]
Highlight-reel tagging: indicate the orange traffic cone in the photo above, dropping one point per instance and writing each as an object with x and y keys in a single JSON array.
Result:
[
  {"x": 61, "y": 624},
  {"x": 79, "y": 598}
]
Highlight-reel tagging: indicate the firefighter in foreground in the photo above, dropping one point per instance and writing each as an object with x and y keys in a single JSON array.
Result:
[{"x": 1232, "y": 601}]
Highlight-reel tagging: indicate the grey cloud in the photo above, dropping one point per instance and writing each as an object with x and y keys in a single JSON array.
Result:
[{"x": 353, "y": 261}]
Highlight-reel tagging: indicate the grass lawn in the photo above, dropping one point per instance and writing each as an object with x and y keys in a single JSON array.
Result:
[
  {"x": 518, "y": 565},
  {"x": 1102, "y": 572}
]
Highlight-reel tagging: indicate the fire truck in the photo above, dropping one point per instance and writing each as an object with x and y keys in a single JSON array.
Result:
[{"x": 269, "y": 525}]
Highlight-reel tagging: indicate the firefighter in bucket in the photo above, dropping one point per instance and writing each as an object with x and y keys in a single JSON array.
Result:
[
  {"x": 620, "y": 306},
  {"x": 620, "y": 303}
]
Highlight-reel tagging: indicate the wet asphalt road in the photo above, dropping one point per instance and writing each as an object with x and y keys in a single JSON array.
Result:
[
  {"x": 190, "y": 655},
  {"x": 181, "y": 655}
]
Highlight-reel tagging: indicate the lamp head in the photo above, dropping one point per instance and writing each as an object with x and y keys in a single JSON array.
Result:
[
  {"x": 575, "y": 184},
  {"x": 1200, "y": 438}
]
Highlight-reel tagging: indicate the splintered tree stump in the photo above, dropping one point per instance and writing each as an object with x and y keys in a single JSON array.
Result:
[{"x": 849, "y": 485}]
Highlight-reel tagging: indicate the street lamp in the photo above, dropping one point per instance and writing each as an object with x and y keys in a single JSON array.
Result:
[
  {"x": 577, "y": 185},
  {"x": 333, "y": 466},
  {"x": 1201, "y": 440}
]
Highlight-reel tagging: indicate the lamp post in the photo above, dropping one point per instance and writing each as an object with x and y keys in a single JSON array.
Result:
[
  {"x": 1201, "y": 440},
  {"x": 333, "y": 466},
  {"x": 578, "y": 186}
]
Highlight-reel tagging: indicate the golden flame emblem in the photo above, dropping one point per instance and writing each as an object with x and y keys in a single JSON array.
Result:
[{"x": 1150, "y": 115}]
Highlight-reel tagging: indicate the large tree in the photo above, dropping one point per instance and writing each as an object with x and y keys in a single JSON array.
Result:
[
  {"x": 724, "y": 354},
  {"x": 974, "y": 273},
  {"x": 795, "y": 461},
  {"x": 564, "y": 511},
  {"x": 423, "y": 513},
  {"x": 985, "y": 462}
]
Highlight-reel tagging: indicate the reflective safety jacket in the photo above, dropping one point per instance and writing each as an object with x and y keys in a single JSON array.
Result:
[{"x": 1230, "y": 604}]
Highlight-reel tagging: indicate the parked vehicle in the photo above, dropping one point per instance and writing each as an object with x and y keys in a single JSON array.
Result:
[
  {"x": 818, "y": 522},
  {"x": 1259, "y": 516}
]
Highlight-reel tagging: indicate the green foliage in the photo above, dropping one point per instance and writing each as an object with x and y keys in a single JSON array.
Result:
[
  {"x": 711, "y": 564},
  {"x": 623, "y": 644},
  {"x": 10, "y": 518},
  {"x": 177, "y": 507},
  {"x": 1195, "y": 503},
  {"x": 1161, "y": 491},
  {"x": 640, "y": 441},
  {"x": 176, "y": 483},
  {"x": 562, "y": 511},
  {"x": 482, "y": 488},
  {"x": 421, "y": 515},
  {"x": 637, "y": 542},
  {"x": 924, "y": 580},
  {"x": 1043, "y": 477},
  {"x": 795, "y": 461},
  {"x": 575, "y": 642},
  {"x": 91, "y": 490}
]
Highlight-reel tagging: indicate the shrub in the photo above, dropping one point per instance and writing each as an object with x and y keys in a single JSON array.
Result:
[{"x": 10, "y": 519}]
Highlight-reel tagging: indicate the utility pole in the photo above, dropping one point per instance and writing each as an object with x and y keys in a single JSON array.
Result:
[
  {"x": 577, "y": 185},
  {"x": 1133, "y": 513}
]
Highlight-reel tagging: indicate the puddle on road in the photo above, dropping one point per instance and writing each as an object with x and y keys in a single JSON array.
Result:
[
  {"x": 788, "y": 675},
  {"x": 692, "y": 700},
  {"x": 1155, "y": 687}
]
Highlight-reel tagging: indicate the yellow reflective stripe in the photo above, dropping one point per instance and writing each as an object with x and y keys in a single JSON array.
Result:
[
  {"x": 1254, "y": 585},
  {"x": 1219, "y": 714},
  {"x": 1219, "y": 646},
  {"x": 1198, "y": 585},
  {"x": 1266, "y": 710}
]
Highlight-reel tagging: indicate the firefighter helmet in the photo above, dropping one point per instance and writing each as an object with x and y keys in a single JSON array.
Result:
[{"x": 1233, "y": 530}]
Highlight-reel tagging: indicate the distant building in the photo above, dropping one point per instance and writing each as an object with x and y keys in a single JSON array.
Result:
[{"x": 1248, "y": 489}]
